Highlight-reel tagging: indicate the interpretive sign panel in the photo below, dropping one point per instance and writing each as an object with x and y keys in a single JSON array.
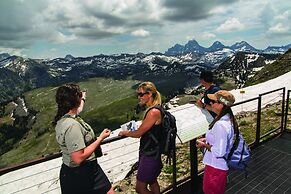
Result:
[{"x": 192, "y": 121}]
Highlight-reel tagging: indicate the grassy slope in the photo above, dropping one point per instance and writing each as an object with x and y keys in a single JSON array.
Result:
[
  {"x": 108, "y": 104},
  {"x": 271, "y": 71}
]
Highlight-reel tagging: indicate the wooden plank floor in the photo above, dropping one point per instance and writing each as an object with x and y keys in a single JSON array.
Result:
[{"x": 269, "y": 171}]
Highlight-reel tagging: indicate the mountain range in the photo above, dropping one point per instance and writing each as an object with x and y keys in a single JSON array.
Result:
[
  {"x": 20, "y": 74},
  {"x": 193, "y": 47}
]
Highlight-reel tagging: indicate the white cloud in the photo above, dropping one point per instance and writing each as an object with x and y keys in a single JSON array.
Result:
[
  {"x": 140, "y": 32},
  {"x": 232, "y": 24},
  {"x": 279, "y": 28},
  {"x": 11, "y": 51},
  {"x": 207, "y": 35},
  {"x": 61, "y": 38},
  {"x": 284, "y": 16},
  {"x": 218, "y": 10}
]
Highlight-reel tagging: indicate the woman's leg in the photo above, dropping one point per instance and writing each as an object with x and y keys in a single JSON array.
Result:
[
  {"x": 110, "y": 191},
  {"x": 155, "y": 187},
  {"x": 141, "y": 187}
]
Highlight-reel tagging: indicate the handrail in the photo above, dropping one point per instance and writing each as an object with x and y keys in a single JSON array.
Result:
[
  {"x": 287, "y": 109},
  {"x": 272, "y": 91},
  {"x": 195, "y": 172},
  {"x": 48, "y": 157}
]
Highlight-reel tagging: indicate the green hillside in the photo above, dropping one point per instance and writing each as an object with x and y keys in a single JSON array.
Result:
[
  {"x": 109, "y": 103},
  {"x": 270, "y": 71}
]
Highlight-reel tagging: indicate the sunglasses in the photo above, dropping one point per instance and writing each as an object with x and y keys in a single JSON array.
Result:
[
  {"x": 140, "y": 94},
  {"x": 213, "y": 102}
]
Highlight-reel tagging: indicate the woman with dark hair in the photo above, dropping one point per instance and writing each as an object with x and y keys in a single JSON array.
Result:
[
  {"x": 80, "y": 172},
  {"x": 217, "y": 142},
  {"x": 150, "y": 165}
]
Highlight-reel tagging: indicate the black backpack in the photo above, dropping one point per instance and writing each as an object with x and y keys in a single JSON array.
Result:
[{"x": 167, "y": 140}]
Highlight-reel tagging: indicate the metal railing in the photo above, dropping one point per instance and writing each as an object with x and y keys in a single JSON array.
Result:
[
  {"x": 259, "y": 139},
  {"x": 194, "y": 173},
  {"x": 287, "y": 111}
]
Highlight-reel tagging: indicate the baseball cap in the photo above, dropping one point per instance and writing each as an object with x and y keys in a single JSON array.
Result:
[{"x": 222, "y": 96}]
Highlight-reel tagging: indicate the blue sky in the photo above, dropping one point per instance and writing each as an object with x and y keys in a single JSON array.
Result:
[{"x": 54, "y": 28}]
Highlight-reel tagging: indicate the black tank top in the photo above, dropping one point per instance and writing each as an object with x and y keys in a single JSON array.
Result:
[{"x": 149, "y": 142}]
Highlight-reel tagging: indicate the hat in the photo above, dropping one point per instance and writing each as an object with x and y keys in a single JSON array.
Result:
[{"x": 222, "y": 96}]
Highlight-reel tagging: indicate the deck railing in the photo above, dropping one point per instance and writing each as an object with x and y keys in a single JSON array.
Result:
[
  {"x": 194, "y": 173},
  {"x": 287, "y": 111}
]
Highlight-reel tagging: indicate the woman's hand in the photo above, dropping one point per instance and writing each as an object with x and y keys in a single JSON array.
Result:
[
  {"x": 105, "y": 133},
  {"x": 123, "y": 133},
  {"x": 200, "y": 143},
  {"x": 199, "y": 103}
]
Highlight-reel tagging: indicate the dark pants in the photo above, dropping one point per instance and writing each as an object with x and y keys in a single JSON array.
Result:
[{"x": 88, "y": 178}]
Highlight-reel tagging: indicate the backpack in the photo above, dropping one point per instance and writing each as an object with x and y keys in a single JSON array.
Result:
[
  {"x": 239, "y": 154},
  {"x": 167, "y": 141}
]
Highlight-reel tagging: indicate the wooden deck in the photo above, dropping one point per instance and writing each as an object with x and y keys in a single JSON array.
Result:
[{"x": 269, "y": 171}]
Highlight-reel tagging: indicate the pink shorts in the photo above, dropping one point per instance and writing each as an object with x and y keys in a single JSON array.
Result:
[{"x": 214, "y": 180}]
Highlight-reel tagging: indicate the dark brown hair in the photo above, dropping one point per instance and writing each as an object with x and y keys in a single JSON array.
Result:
[
  {"x": 225, "y": 110},
  {"x": 68, "y": 96}
]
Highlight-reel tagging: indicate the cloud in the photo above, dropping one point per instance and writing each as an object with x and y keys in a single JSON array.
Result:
[
  {"x": 26, "y": 23},
  {"x": 11, "y": 51},
  {"x": 232, "y": 24},
  {"x": 62, "y": 38},
  {"x": 140, "y": 32},
  {"x": 189, "y": 10},
  {"x": 207, "y": 35},
  {"x": 276, "y": 22},
  {"x": 279, "y": 28}
]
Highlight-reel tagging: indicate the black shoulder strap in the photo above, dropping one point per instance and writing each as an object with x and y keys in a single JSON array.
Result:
[{"x": 157, "y": 107}]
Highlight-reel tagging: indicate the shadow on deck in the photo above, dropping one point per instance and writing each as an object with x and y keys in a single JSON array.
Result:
[{"x": 269, "y": 171}]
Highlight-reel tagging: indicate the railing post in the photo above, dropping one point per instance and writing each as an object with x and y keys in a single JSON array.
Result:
[
  {"x": 282, "y": 115},
  {"x": 194, "y": 166},
  {"x": 174, "y": 181},
  {"x": 287, "y": 107},
  {"x": 258, "y": 130}
]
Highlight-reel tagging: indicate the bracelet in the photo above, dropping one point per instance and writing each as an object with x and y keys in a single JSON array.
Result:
[{"x": 83, "y": 99}]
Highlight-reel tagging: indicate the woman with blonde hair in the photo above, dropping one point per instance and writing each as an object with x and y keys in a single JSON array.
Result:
[{"x": 150, "y": 163}]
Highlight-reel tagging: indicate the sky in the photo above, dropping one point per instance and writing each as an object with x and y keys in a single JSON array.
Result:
[{"x": 55, "y": 28}]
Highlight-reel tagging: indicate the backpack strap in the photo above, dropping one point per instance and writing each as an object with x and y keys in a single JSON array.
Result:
[
  {"x": 234, "y": 145},
  {"x": 159, "y": 107}
]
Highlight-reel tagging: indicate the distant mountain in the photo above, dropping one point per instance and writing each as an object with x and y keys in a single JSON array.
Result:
[
  {"x": 20, "y": 74},
  {"x": 274, "y": 49},
  {"x": 243, "y": 65},
  {"x": 4, "y": 56},
  {"x": 176, "y": 50},
  {"x": 193, "y": 47},
  {"x": 243, "y": 46},
  {"x": 281, "y": 66},
  {"x": 216, "y": 46},
  {"x": 69, "y": 57}
]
